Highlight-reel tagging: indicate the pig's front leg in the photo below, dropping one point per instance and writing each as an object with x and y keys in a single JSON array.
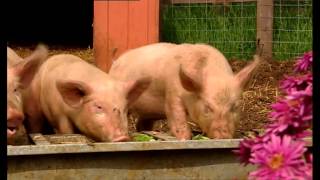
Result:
[
  {"x": 64, "y": 126},
  {"x": 177, "y": 118}
]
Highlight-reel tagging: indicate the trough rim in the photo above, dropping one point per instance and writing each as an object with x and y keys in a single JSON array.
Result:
[{"x": 46, "y": 149}]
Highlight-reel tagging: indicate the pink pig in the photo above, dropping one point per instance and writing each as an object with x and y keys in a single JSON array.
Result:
[
  {"x": 75, "y": 96},
  {"x": 19, "y": 74},
  {"x": 190, "y": 82}
]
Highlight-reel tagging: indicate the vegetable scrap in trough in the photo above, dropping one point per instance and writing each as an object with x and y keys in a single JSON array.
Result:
[{"x": 142, "y": 137}]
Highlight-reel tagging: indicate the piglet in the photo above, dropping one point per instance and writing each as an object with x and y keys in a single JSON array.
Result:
[
  {"x": 20, "y": 72},
  {"x": 191, "y": 82},
  {"x": 77, "y": 97}
]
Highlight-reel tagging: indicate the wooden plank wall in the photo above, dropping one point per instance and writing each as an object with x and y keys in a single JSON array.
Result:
[{"x": 122, "y": 25}]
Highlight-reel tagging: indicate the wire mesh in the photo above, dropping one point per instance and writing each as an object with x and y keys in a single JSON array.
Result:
[
  {"x": 292, "y": 28},
  {"x": 231, "y": 26}
]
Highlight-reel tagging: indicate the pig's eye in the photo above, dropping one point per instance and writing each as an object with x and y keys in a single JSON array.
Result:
[
  {"x": 15, "y": 90},
  {"x": 234, "y": 107},
  {"x": 207, "y": 109},
  {"x": 98, "y": 109}
]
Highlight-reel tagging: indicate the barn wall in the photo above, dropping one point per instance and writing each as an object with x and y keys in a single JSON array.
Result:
[{"x": 123, "y": 25}]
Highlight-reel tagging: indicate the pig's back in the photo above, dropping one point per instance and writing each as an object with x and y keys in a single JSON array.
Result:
[
  {"x": 161, "y": 60},
  {"x": 216, "y": 61},
  {"x": 147, "y": 60},
  {"x": 67, "y": 66},
  {"x": 72, "y": 68}
]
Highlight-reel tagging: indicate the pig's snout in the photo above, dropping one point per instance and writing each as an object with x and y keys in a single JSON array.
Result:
[
  {"x": 119, "y": 135},
  {"x": 220, "y": 133},
  {"x": 121, "y": 139},
  {"x": 14, "y": 120}
]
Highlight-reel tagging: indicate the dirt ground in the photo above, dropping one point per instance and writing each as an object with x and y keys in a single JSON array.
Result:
[{"x": 255, "y": 103}]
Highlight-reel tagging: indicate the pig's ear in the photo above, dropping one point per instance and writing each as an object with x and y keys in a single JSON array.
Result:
[
  {"x": 27, "y": 68},
  {"x": 191, "y": 80},
  {"x": 191, "y": 74},
  {"x": 73, "y": 92},
  {"x": 135, "y": 88},
  {"x": 243, "y": 77}
]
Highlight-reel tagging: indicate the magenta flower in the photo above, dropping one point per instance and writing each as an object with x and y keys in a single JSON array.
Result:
[
  {"x": 248, "y": 146},
  {"x": 292, "y": 115},
  {"x": 294, "y": 132},
  {"x": 307, "y": 168},
  {"x": 299, "y": 83},
  {"x": 308, "y": 172},
  {"x": 303, "y": 63},
  {"x": 244, "y": 151},
  {"x": 280, "y": 158},
  {"x": 309, "y": 157},
  {"x": 279, "y": 152}
]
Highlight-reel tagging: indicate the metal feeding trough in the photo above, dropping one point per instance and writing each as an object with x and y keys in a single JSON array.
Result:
[{"x": 75, "y": 156}]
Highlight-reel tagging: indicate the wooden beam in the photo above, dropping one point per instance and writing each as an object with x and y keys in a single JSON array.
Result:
[{"x": 264, "y": 27}]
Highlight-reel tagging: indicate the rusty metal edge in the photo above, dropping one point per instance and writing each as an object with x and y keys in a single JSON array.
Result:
[{"x": 126, "y": 146}]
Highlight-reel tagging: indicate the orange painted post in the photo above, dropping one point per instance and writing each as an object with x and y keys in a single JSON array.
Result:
[{"x": 123, "y": 25}]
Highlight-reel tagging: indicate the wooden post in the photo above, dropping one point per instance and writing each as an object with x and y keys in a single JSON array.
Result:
[
  {"x": 265, "y": 26},
  {"x": 123, "y": 25}
]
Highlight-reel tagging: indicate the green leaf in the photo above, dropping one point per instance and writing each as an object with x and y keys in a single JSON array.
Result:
[
  {"x": 200, "y": 137},
  {"x": 143, "y": 137}
]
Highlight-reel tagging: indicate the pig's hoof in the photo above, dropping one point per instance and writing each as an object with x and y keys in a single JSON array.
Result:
[{"x": 11, "y": 131}]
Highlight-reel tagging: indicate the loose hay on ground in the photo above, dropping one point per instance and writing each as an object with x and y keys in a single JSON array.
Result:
[{"x": 84, "y": 53}]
